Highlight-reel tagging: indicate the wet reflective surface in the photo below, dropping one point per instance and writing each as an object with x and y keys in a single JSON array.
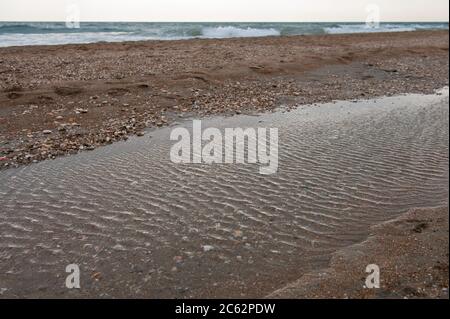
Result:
[{"x": 140, "y": 226}]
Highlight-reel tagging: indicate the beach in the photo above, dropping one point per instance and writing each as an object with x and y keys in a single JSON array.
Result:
[
  {"x": 141, "y": 226},
  {"x": 362, "y": 175},
  {"x": 63, "y": 99}
]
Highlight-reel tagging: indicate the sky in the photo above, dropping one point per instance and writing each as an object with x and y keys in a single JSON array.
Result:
[{"x": 223, "y": 10}]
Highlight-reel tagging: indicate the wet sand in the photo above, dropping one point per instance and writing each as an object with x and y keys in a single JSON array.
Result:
[
  {"x": 141, "y": 226},
  {"x": 59, "y": 100},
  {"x": 411, "y": 252}
]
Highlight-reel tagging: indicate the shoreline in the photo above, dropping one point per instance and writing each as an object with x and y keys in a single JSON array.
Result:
[
  {"x": 62, "y": 99},
  {"x": 421, "y": 235}
]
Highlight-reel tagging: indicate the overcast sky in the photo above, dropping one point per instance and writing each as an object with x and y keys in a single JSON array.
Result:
[{"x": 224, "y": 10}]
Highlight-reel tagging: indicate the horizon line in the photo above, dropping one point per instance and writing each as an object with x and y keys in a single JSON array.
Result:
[{"x": 137, "y": 21}]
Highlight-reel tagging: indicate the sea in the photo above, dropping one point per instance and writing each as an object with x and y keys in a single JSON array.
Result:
[{"x": 51, "y": 33}]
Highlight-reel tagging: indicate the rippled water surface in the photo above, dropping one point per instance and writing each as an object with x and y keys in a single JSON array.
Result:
[{"x": 141, "y": 226}]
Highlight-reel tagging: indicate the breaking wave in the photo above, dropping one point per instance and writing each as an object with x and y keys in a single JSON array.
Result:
[{"x": 41, "y": 33}]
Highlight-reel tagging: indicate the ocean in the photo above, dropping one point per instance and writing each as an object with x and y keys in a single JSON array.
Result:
[{"x": 48, "y": 33}]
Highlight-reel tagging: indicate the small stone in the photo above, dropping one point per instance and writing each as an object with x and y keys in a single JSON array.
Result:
[
  {"x": 237, "y": 233},
  {"x": 96, "y": 276},
  {"x": 82, "y": 111},
  {"x": 47, "y": 132},
  {"x": 207, "y": 248},
  {"x": 178, "y": 259}
]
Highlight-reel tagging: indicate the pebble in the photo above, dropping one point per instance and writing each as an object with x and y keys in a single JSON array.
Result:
[
  {"x": 96, "y": 276},
  {"x": 82, "y": 111},
  {"x": 237, "y": 233},
  {"x": 207, "y": 248}
]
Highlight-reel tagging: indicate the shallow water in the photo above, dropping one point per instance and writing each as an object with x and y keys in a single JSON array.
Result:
[{"x": 141, "y": 226}]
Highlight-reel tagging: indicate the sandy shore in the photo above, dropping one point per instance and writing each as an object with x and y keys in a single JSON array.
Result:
[
  {"x": 58, "y": 100},
  {"x": 411, "y": 252}
]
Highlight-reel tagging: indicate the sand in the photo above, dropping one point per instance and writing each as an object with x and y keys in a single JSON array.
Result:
[
  {"x": 58, "y": 100},
  {"x": 411, "y": 252},
  {"x": 141, "y": 226}
]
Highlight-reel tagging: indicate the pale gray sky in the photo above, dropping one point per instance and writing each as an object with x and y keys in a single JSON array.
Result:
[{"x": 224, "y": 10}]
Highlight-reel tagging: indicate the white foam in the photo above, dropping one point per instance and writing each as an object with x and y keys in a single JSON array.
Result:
[
  {"x": 17, "y": 39},
  {"x": 15, "y": 34},
  {"x": 363, "y": 28},
  {"x": 233, "y": 32}
]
